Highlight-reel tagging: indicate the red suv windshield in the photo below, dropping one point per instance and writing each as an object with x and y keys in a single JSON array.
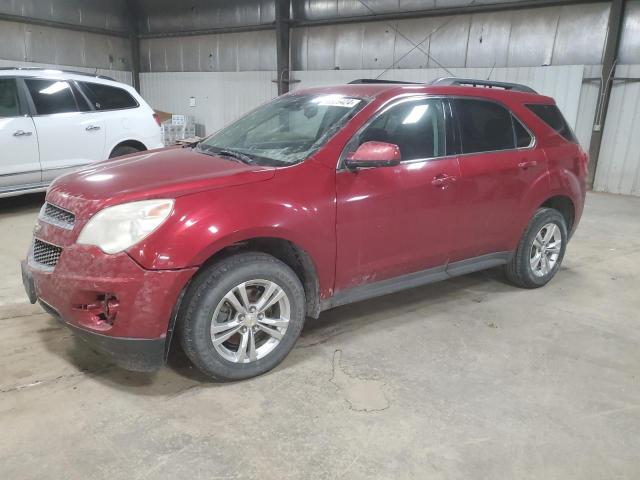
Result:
[{"x": 286, "y": 130}]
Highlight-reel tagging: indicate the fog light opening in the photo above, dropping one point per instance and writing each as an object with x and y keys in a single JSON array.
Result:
[{"x": 103, "y": 310}]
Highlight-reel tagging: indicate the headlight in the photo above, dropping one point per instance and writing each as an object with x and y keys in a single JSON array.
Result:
[{"x": 117, "y": 228}]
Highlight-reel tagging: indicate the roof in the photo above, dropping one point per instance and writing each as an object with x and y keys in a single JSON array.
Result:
[
  {"x": 374, "y": 90},
  {"x": 58, "y": 74}
]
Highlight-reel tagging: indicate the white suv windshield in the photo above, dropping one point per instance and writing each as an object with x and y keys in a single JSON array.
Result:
[{"x": 284, "y": 131}]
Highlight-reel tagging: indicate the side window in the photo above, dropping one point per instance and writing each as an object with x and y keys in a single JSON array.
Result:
[
  {"x": 484, "y": 126},
  {"x": 416, "y": 126},
  {"x": 551, "y": 115},
  {"x": 106, "y": 97},
  {"x": 51, "y": 96},
  {"x": 82, "y": 102},
  {"x": 9, "y": 106},
  {"x": 523, "y": 137}
]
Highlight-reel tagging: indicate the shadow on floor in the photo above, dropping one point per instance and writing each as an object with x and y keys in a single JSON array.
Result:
[
  {"x": 180, "y": 375},
  {"x": 22, "y": 203}
]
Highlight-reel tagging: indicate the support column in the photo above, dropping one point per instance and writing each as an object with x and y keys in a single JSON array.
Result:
[
  {"x": 134, "y": 40},
  {"x": 616, "y": 17},
  {"x": 282, "y": 44}
]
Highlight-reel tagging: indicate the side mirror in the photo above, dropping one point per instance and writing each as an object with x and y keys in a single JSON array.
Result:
[{"x": 374, "y": 154}]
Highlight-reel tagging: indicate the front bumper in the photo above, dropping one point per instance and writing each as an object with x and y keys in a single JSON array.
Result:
[{"x": 124, "y": 311}]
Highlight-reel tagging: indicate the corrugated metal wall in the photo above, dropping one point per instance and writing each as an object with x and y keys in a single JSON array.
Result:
[
  {"x": 619, "y": 162},
  {"x": 328, "y": 9},
  {"x": 220, "y": 97},
  {"x": 158, "y": 16},
  {"x": 567, "y": 35},
  {"x": 110, "y": 15},
  {"x": 629, "y": 52},
  {"x": 24, "y": 42},
  {"x": 230, "y": 52}
]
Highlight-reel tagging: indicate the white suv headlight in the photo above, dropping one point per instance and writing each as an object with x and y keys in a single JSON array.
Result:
[{"x": 117, "y": 228}]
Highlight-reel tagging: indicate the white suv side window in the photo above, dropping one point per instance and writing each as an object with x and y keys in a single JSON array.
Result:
[
  {"x": 105, "y": 97},
  {"x": 9, "y": 106},
  {"x": 51, "y": 96}
]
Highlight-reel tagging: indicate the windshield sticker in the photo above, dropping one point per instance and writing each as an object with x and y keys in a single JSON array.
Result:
[{"x": 336, "y": 101}]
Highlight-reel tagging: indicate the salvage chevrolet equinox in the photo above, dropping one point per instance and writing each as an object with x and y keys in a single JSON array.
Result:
[{"x": 319, "y": 198}]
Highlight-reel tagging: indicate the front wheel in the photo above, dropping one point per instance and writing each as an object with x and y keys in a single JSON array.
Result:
[
  {"x": 242, "y": 316},
  {"x": 540, "y": 251}
]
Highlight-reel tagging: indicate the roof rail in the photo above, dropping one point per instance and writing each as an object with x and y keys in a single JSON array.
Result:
[
  {"x": 516, "y": 87},
  {"x": 360, "y": 81},
  {"x": 72, "y": 72}
]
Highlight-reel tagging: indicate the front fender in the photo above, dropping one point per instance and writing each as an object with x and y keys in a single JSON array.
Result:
[{"x": 289, "y": 206}]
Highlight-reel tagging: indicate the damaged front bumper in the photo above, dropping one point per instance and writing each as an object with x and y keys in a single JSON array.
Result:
[{"x": 122, "y": 310}]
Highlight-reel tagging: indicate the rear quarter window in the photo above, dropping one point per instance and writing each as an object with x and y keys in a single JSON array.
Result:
[
  {"x": 106, "y": 97},
  {"x": 551, "y": 115}
]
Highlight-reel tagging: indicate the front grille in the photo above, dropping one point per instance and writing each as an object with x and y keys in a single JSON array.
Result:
[
  {"x": 58, "y": 216},
  {"x": 45, "y": 254}
]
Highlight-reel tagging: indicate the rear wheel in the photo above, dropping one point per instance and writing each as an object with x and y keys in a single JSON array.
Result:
[
  {"x": 540, "y": 251},
  {"x": 242, "y": 316},
  {"x": 123, "y": 150}
]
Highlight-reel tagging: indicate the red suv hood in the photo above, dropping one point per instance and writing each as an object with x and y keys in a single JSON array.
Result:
[{"x": 168, "y": 172}]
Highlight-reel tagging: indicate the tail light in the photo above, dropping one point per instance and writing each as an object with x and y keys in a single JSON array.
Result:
[
  {"x": 585, "y": 161},
  {"x": 156, "y": 117}
]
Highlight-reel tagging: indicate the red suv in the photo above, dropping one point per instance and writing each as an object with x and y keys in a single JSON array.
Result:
[{"x": 319, "y": 198}]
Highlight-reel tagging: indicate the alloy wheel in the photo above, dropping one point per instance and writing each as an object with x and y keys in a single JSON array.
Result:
[
  {"x": 545, "y": 249},
  {"x": 250, "y": 321}
]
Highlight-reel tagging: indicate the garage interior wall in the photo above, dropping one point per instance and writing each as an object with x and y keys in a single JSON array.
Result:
[
  {"x": 52, "y": 44},
  {"x": 223, "y": 54}
]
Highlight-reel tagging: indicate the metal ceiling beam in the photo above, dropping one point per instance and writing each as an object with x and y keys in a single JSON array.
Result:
[
  {"x": 283, "y": 8},
  {"x": 439, "y": 12},
  {"x": 66, "y": 26},
  {"x": 616, "y": 19},
  {"x": 210, "y": 31}
]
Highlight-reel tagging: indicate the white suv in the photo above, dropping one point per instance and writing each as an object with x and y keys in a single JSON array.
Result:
[{"x": 52, "y": 122}]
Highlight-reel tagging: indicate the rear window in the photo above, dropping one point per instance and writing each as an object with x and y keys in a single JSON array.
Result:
[
  {"x": 51, "y": 96},
  {"x": 551, "y": 115},
  {"x": 484, "y": 126},
  {"x": 105, "y": 97}
]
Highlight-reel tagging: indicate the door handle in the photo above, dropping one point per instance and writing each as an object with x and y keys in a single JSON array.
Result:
[
  {"x": 527, "y": 164},
  {"x": 22, "y": 133},
  {"x": 443, "y": 180},
  {"x": 91, "y": 128}
]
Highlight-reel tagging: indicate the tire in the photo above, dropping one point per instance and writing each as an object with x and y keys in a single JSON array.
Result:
[
  {"x": 206, "y": 304},
  {"x": 123, "y": 150},
  {"x": 520, "y": 270}
]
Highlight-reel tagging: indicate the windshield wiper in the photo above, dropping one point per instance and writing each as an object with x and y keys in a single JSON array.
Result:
[{"x": 237, "y": 155}]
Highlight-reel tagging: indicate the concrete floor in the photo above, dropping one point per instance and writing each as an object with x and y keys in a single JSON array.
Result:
[{"x": 470, "y": 378}]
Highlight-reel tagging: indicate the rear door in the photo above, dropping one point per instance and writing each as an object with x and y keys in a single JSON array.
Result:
[
  {"x": 498, "y": 164},
  {"x": 120, "y": 112},
  {"x": 19, "y": 161},
  {"x": 70, "y": 134},
  {"x": 396, "y": 220}
]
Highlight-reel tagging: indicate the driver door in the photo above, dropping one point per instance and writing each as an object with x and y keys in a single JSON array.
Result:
[{"x": 397, "y": 220}]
